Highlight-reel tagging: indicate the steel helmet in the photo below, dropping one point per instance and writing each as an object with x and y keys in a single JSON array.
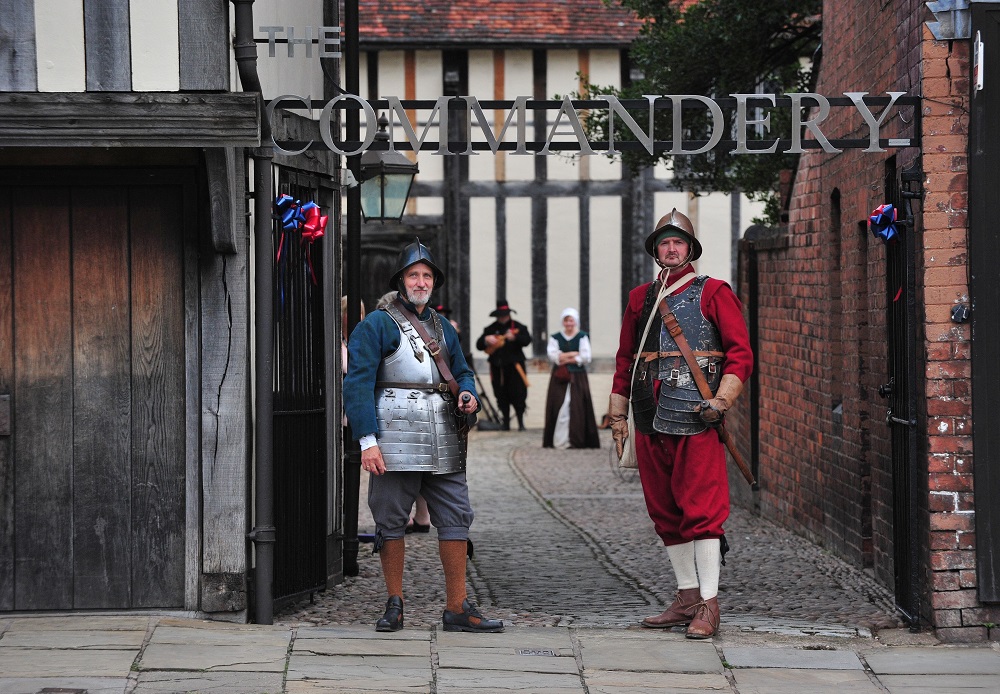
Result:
[
  {"x": 415, "y": 252},
  {"x": 675, "y": 221}
]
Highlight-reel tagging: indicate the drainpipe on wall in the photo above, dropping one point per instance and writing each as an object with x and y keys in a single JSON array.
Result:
[{"x": 263, "y": 533}]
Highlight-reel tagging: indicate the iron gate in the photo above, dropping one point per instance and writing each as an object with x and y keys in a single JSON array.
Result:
[
  {"x": 899, "y": 391},
  {"x": 299, "y": 404}
]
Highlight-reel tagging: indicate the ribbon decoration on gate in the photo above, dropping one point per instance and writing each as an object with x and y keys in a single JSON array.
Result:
[
  {"x": 293, "y": 215},
  {"x": 882, "y": 222}
]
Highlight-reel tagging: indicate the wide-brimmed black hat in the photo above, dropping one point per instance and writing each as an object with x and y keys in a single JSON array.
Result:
[{"x": 503, "y": 309}]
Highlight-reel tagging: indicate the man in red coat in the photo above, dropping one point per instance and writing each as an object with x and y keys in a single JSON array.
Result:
[{"x": 682, "y": 461}]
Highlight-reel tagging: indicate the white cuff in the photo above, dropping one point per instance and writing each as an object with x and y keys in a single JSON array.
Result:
[{"x": 368, "y": 441}]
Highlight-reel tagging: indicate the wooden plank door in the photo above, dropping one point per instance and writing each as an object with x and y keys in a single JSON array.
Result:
[{"x": 92, "y": 473}]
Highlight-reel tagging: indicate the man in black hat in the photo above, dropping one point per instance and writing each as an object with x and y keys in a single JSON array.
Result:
[
  {"x": 504, "y": 341},
  {"x": 406, "y": 394}
]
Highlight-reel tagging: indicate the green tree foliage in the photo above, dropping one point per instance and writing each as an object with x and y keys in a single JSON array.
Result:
[{"x": 716, "y": 48}]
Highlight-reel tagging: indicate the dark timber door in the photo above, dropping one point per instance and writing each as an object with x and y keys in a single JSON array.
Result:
[
  {"x": 92, "y": 437},
  {"x": 900, "y": 393}
]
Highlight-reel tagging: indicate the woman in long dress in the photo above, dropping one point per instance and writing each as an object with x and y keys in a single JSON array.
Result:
[{"x": 569, "y": 410}]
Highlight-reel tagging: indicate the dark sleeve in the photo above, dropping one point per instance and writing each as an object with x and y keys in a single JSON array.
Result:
[
  {"x": 481, "y": 342},
  {"x": 523, "y": 337},
  {"x": 373, "y": 339}
]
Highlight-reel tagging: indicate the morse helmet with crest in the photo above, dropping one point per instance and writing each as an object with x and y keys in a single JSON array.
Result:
[
  {"x": 674, "y": 224},
  {"x": 413, "y": 253}
]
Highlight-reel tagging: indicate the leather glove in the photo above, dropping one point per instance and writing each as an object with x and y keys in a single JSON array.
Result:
[
  {"x": 713, "y": 411},
  {"x": 618, "y": 414}
]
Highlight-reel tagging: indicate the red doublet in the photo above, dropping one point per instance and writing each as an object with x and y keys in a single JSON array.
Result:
[{"x": 684, "y": 478}]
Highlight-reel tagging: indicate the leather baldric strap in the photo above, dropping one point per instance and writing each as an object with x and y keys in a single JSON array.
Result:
[
  {"x": 433, "y": 347},
  {"x": 674, "y": 328}
]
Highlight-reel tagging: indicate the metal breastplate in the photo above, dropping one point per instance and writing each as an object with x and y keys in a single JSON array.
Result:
[
  {"x": 676, "y": 408},
  {"x": 417, "y": 429}
]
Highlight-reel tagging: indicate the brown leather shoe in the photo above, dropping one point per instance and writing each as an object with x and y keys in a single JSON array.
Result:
[
  {"x": 706, "y": 620},
  {"x": 679, "y": 614}
]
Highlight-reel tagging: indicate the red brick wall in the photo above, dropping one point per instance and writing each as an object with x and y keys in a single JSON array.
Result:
[{"x": 824, "y": 445}]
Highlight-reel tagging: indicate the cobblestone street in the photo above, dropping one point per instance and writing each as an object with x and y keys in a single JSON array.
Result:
[{"x": 561, "y": 538}]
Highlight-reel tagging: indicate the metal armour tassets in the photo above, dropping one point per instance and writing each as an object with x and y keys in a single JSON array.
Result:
[
  {"x": 680, "y": 222},
  {"x": 415, "y": 252},
  {"x": 677, "y": 407},
  {"x": 417, "y": 428}
]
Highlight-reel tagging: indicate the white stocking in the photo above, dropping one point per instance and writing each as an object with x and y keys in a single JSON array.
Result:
[
  {"x": 682, "y": 561},
  {"x": 709, "y": 559}
]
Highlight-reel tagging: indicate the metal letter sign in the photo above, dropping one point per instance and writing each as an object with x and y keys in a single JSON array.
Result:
[{"x": 565, "y": 131}]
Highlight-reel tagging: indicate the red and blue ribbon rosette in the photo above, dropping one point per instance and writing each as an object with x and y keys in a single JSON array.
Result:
[
  {"x": 294, "y": 216},
  {"x": 882, "y": 222}
]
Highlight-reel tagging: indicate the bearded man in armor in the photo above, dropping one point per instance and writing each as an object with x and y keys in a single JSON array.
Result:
[
  {"x": 406, "y": 394},
  {"x": 682, "y": 461}
]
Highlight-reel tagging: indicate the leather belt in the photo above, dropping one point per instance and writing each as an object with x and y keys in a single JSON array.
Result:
[
  {"x": 404, "y": 385},
  {"x": 650, "y": 356}
]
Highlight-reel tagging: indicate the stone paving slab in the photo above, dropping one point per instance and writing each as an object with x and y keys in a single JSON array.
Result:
[
  {"x": 391, "y": 671},
  {"x": 514, "y": 637},
  {"x": 80, "y": 623},
  {"x": 941, "y": 660},
  {"x": 83, "y": 640},
  {"x": 358, "y": 632},
  {"x": 248, "y": 658},
  {"x": 788, "y": 681},
  {"x": 458, "y": 681},
  {"x": 795, "y": 658},
  {"x": 671, "y": 653},
  {"x": 333, "y": 687},
  {"x": 40, "y": 662},
  {"x": 92, "y": 685},
  {"x": 936, "y": 684},
  {"x": 507, "y": 659},
  {"x": 251, "y": 636},
  {"x": 216, "y": 683},
  {"x": 338, "y": 646},
  {"x": 619, "y": 682}
]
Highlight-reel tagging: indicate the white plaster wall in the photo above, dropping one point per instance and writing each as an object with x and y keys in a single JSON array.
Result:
[
  {"x": 299, "y": 74},
  {"x": 563, "y": 260},
  {"x": 519, "y": 288},
  {"x": 518, "y": 82},
  {"x": 429, "y": 86},
  {"x": 715, "y": 233},
  {"x": 561, "y": 79},
  {"x": 59, "y": 46},
  {"x": 605, "y": 69},
  {"x": 482, "y": 264},
  {"x": 482, "y": 166},
  {"x": 155, "y": 50},
  {"x": 605, "y": 274}
]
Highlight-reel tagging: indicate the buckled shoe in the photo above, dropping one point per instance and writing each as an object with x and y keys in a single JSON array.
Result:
[
  {"x": 470, "y": 619},
  {"x": 706, "y": 620},
  {"x": 679, "y": 614},
  {"x": 392, "y": 620}
]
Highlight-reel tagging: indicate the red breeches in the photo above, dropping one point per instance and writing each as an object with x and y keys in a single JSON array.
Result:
[{"x": 685, "y": 485}]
